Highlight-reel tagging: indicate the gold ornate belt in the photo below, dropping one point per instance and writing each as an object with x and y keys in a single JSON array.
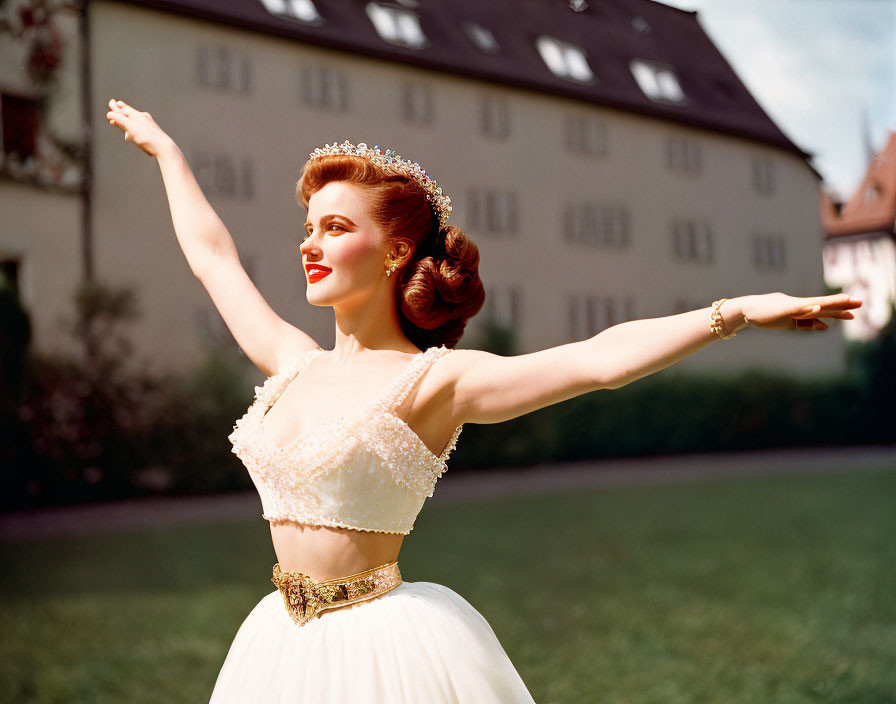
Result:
[{"x": 306, "y": 597}]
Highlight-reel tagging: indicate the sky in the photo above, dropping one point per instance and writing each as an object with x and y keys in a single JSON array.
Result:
[{"x": 821, "y": 69}]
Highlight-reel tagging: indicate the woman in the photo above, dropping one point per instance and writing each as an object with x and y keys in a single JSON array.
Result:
[{"x": 344, "y": 445}]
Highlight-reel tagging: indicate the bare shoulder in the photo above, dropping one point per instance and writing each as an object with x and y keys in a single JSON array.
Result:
[
  {"x": 452, "y": 365},
  {"x": 440, "y": 384},
  {"x": 447, "y": 370}
]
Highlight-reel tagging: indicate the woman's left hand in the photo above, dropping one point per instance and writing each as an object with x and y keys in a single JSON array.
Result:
[{"x": 778, "y": 311}]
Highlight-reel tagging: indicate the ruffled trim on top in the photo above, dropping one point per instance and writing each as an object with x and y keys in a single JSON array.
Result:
[
  {"x": 333, "y": 523},
  {"x": 264, "y": 397}
]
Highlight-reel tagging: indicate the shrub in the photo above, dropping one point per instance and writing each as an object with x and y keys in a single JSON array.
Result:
[{"x": 96, "y": 426}]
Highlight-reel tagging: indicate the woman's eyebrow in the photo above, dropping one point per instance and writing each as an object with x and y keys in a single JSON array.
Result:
[{"x": 327, "y": 218}]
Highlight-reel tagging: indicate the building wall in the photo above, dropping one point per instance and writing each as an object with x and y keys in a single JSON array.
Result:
[
  {"x": 40, "y": 231},
  {"x": 261, "y": 124},
  {"x": 40, "y": 217}
]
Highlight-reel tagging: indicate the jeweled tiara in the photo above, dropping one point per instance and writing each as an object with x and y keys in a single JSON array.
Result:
[{"x": 393, "y": 163}]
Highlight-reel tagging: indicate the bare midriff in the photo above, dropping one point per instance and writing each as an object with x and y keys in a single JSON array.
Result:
[{"x": 324, "y": 552}]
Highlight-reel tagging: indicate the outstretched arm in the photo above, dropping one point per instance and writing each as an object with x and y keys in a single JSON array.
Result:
[
  {"x": 489, "y": 388},
  {"x": 268, "y": 340}
]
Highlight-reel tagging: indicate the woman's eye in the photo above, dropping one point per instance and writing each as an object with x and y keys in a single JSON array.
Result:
[{"x": 306, "y": 234}]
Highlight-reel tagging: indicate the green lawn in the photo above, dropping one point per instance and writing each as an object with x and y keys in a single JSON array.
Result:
[{"x": 749, "y": 590}]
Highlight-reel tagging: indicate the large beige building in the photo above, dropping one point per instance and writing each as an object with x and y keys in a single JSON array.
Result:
[{"x": 606, "y": 159}]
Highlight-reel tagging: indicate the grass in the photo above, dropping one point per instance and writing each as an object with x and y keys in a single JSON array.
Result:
[{"x": 760, "y": 589}]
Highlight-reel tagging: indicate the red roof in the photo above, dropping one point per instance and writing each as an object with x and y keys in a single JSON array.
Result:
[{"x": 872, "y": 207}]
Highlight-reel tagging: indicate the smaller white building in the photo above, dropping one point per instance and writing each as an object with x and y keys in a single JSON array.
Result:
[{"x": 859, "y": 254}]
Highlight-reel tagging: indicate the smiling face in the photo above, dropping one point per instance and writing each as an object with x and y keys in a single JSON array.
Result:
[{"x": 340, "y": 235}]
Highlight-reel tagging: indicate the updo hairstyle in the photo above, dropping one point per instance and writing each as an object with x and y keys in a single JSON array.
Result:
[{"x": 438, "y": 288}]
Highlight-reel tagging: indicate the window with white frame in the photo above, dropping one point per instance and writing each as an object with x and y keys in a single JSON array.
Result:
[
  {"x": 684, "y": 155},
  {"x": 503, "y": 304},
  {"x": 586, "y": 136},
  {"x": 588, "y": 315},
  {"x": 564, "y": 59},
  {"x": 417, "y": 103},
  {"x": 692, "y": 241},
  {"x": 494, "y": 116},
  {"x": 763, "y": 175},
  {"x": 396, "y": 25},
  {"x": 223, "y": 68},
  {"x": 658, "y": 82},
  {"x": 324, "y": 87},
  {"x": 482, "y": 37},
  {"x": 769, "y": 251},
  {"x": 492, "y": 211},
  {"x": 301, "y": 10},
  {"x": 597, "y": 224},
  {"x": 224, "y": 174}
]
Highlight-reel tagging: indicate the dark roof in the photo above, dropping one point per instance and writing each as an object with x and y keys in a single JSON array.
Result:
[{"x": 717, "y": 99}]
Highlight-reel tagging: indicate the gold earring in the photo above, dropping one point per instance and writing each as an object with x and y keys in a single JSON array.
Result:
[{"x": 392, "y": 267}]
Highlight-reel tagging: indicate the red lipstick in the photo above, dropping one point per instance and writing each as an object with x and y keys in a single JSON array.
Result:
[{"x": 316, "y": 272}]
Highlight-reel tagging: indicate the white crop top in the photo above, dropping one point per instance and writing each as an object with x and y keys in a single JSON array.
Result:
[{"x": 365, "y": 470}]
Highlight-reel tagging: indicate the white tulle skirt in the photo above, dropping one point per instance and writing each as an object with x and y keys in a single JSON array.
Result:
[{"x": 420, "y": 642}]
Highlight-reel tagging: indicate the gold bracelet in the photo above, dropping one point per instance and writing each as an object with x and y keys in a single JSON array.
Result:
[{"x": 718, "y": 324}]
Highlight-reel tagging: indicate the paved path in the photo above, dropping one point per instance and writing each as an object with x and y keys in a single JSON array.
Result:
[{"x": 462, "y": 486}]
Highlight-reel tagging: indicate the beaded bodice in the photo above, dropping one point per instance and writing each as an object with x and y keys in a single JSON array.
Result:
[{"x": 365, "y": 469}]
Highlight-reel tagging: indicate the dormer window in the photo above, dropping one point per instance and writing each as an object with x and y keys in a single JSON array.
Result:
[
  {"x": 396, "y": 25},
  {"x": 565, "y": 60},
  {"x": 482, "y": 37},
  {"x": 658, "y": 82},
  {"x": 301, "y": 10}
]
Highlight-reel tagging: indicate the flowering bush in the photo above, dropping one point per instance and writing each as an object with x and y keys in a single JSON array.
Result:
[{"x": 96, "y": 425}]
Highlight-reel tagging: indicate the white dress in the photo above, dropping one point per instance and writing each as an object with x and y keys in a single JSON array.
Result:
[{"x": 419, "y": 642}]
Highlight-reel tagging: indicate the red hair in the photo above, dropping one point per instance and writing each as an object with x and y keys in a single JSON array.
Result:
[{"x": 439, "y": 287}]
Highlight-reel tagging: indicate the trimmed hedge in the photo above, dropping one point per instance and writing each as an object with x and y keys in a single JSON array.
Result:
[
  {"x": 77, "y": 431},
  {"x": 678, "y": 413}
]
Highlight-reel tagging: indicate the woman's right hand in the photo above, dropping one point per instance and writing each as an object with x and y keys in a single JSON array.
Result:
[{"x": 138, "y": 127}]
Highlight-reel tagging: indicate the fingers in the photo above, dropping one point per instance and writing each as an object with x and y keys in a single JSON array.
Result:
[
  {"x": 827, "y": 306},
  {"x": 840, "y": 301},
  {"x": 839, "y": 314},
  {"x": 836, "y": 306},
  {"x": 118, "y": 109},
  {"x": 122, "y": 106},
  {"x": 817, "y": 312},
  {"x": 114, "y": 112},
  {"x": 118, "y": 115}
]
